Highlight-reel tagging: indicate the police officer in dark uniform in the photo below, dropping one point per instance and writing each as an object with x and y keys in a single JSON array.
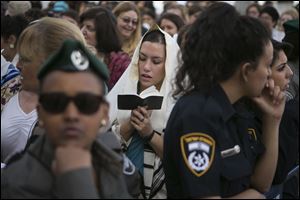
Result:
[
  {"x": 212, "y": 147},
  {"x": 70, "y": 160}
]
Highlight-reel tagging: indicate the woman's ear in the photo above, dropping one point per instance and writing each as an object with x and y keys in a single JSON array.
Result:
[{"x": 246, "y": 69}]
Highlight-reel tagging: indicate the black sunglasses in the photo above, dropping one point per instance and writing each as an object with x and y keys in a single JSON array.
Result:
[{"x": 57, "y": 102}]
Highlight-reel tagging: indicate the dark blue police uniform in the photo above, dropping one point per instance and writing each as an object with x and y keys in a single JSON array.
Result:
[{"x": 210, "y": 147}]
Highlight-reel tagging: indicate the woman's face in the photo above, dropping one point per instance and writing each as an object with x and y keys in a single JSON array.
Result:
[
  {"x": 127, "y": 24},
  {"x": 151, "y": 64},
  {"x": 253, "y": 12},
  {"x": 267, "y": 20},
  {"x": 148, "y": 20},
  {"x": 89, "y": 32},
  {"x": 281, "y": 71},
  {"x": 168, "y": 26}
]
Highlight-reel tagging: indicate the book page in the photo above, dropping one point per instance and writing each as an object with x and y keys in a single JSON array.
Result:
[{"x": 150, "y": 91}]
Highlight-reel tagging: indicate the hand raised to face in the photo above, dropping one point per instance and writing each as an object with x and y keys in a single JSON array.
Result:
[
  {"x": 70, "y": 157},
  {"x": 272, "y": 100}
]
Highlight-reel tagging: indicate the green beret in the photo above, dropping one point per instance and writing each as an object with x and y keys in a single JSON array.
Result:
[{"x": 74, "y": 57}]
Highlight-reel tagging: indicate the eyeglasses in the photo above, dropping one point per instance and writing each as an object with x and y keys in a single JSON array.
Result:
[
  {"x": 56, "y": 103},
  {"x": 127, "y": 20}
]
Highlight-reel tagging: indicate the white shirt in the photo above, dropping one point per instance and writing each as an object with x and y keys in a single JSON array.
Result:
[
  {"x": 277, "y": 35},
  {"x": 5, "y": 64},
  {"x": 15, "y": 127},
  {"x": 15, "y": 60}
]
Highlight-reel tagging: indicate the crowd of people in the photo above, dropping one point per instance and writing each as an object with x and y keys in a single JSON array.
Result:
[{"x": 227, "y": 125}]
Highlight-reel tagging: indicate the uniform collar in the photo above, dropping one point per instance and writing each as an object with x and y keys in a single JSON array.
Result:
[{"x": 221, "y": 98}]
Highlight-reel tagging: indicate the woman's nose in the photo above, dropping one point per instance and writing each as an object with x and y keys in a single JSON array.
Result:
[
  {"x": 147, "y": 65},
  {"x": 290, "y": 72}
]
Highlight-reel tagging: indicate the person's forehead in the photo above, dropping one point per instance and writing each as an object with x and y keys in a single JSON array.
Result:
[
  {"x": 168, "y": 21},
  {"x": 72, "y": 82},
  {"x": 266, "y": 15},
  {"x": 129, "y": 13},
  {"x": 153, "y": 49},
  {"x": 253, "y": 8},
  {"x": 147, "y": 16},
  {"x": 89, "y": 21}
]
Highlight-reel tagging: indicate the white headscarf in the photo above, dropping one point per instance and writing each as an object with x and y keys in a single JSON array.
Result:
[{"x": 127, "y": 84}]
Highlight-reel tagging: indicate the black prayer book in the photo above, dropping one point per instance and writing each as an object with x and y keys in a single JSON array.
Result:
[{"x": 132, "y": 101}]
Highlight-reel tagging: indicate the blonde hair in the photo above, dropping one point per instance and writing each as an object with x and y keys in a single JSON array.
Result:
[
  {"x": 292, "y": 12},
  {"x": 129, "y": 46},
  {"x": 45, "y": 36}
]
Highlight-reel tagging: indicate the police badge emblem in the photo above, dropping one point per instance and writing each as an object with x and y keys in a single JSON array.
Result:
[{"x": 198, "y": 151}]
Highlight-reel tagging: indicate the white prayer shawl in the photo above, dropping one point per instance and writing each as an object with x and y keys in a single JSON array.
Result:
[{"x": 127, "y": 84}]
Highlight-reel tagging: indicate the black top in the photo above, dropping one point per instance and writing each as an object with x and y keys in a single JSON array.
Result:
[
  {"x": 288, "y": 156},
  {"x": 210, "y": 147}
]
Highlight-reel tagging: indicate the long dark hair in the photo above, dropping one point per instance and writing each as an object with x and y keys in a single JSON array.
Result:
[
  {"x": 106, "y": 31},
  {"x": 217, "y": 43},
  {"x": 178, "y": 21},
  {"x": 12, "y": 25}
]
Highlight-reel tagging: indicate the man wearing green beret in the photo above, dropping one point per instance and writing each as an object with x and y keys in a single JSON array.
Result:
[{"x": 69, "y": 160}]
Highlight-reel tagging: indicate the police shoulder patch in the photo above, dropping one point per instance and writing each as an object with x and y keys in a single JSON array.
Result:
[{"x": 198, "y": 150}]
